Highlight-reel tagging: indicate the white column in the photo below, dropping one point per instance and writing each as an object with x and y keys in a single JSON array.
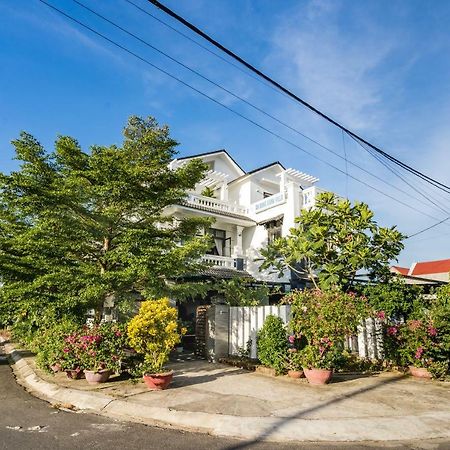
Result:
[
  {"x": 237, "y": 251},
  {"x": 224, "y": 192}
]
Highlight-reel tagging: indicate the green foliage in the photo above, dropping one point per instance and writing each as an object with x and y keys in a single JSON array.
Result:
[
  {"x": 324, "y": 319},
  {"x": 153, "y": 333},
  {"x": 49, "y": 343},
  {"x": 208, "y": 192},
  {"x": 294, "y": 360},
  {"x": 272, "y": 343},
  {"x": 102, "y": 347},
  {"x": 396, "y": 298},
  {"x": 77, "y": 227},
  {"x": 237, "y": 292},
  {"x": 334, "y": 240},
  {"x": 424, "y": 340},
  {"x": 312, "y": 357}
]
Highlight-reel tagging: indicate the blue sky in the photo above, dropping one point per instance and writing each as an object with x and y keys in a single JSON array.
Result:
[{"x": 379, "y": 67}]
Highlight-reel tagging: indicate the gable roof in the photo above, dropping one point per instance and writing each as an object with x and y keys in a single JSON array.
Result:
[
  {"x": 215, "y": 152},
  {"x": 429, "y": 267},
  {"x": 258, "y": 169},
  {"x": 401, "y": 270}
]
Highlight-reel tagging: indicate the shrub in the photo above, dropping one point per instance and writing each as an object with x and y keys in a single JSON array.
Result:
[
  {"x": 102, "y": 347},
  {"x": 272, "y": 343},
  {"x": 153, "y": 333},
  {"x": 324, "y": 319},
  {"x": 49, "y": 344}
]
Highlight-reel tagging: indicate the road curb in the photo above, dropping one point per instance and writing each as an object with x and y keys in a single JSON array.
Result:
[{"x": 271, "y": 428}]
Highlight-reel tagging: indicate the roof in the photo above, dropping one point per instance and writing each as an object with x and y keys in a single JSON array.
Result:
[
  {"x": 215, "y": 152},
  {"x": 258, "y": 169},
  {"x": 401, "y": 270},
  {"x": 225, "y": 272},
  {"x": 429, "y": 267}
]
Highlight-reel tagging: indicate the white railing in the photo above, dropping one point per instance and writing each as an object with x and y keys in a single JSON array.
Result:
[
  {"x": 213, "y": 203},
  {"x": 219, "y": 261},
  {"x": 269, "y": 202}
]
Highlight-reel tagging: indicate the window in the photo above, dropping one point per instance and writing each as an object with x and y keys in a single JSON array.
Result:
[
  {"x": 222, "y": 244},
  {"x": 273, "y": 228}
]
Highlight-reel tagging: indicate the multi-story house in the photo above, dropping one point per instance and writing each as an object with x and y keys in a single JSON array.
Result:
[{"x": 249, "y": 209}]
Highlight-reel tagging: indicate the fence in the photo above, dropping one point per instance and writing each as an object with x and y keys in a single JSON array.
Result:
[{"x": 245, "y": 322}]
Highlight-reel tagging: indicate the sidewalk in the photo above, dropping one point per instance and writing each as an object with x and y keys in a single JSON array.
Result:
[{"x": 226, "y": 401}]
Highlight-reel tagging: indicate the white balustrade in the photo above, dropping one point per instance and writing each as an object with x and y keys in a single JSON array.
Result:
[
  {"x": 269, "y": 202},
  {"x": 213, "y": 203},
  {"x": 219, "y": 261}
]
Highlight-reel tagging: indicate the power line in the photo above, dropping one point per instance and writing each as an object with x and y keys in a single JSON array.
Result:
[
  {"x": 146, "y": 61},
  {"x": 428, "y": 228},
  {"x": 292, "y": 95},
  {"x": 243, "y": 100},
  {"x": 204, "y": 47}
]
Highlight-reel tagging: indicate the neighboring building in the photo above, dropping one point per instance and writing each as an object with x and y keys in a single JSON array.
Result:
[
  {"x": 436, "y": 272},
  {"x": 250, "y": 209}
]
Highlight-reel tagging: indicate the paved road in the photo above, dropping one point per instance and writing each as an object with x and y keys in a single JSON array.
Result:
[{"x": 29, "y": 423}]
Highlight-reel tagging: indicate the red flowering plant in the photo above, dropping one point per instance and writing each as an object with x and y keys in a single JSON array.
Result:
[
  {"x": 325, "y": 318},
  {"x": 70, "y": 355},
  {"x": 418, "y": 342},
  {"x": 102, "y": 347}
]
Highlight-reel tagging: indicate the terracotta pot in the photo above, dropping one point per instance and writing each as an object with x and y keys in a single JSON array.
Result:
[
  {"x": 74, "y": 374},
  {"x": 97, "y": 377},
  {"x": 318, "y": 376},
  {"x": 55, "y": 367},
  {"x": 158, "y": 381},
  {"x": 296, "y": 373},
  {"x": 419, "y": 372}
]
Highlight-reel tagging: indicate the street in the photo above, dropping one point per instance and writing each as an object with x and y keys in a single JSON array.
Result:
[{"x": 27, "y": 422}]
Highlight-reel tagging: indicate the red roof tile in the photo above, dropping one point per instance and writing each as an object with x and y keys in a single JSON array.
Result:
[
  {"x": 428, "y": 267},
  {"x": 401, "y": 270}
]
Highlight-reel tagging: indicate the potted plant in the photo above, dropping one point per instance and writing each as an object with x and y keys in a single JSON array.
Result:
[
  {"x": 101, "y": 350},
  {"x": 294, "y": 363},
  {"x": 70, "y": 359},
  {"x": 154, "y": 333},
  {"x": 324, "y": 318}
]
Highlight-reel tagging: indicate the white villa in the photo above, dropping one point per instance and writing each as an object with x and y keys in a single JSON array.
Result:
[{"x": 249, "y": 208}]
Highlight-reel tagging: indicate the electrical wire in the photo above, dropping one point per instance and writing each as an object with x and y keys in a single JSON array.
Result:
[
  {"x": 428, "y": 228},
  {"x": 249, "y": 66},
  {"x": 240, "y": 98},
  {"x": 258, "y": 125}
]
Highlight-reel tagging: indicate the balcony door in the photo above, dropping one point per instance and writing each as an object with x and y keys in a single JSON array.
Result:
[{"x": 222, "y": 244}]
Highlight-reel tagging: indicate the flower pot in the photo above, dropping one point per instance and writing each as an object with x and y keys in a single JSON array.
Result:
[
  {"x": 74, "y": 374},
  {"x": 419, "y": 372},
  {"x": 158, "y": 381},
  {"x": 100, "y": 376},
  {"x": 296, "y": 373},
  {"x": 55, "y": 367},
  {"x": 318, "y": 376}
]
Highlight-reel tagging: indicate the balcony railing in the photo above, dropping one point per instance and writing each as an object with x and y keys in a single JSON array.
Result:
[
  {"x": 214, "y": 204},
  {"x": 269, "y": 202},
  {"x": 219, "y": 261},
  {"x": 310, "y": 195}
]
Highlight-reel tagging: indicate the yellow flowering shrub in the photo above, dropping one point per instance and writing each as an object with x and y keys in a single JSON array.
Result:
[{"x": 154, "y": 332}]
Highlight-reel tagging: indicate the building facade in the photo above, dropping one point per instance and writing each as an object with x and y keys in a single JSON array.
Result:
[{"x": 249, "y": 209}]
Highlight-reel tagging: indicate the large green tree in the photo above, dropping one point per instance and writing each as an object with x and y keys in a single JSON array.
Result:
[
  {"x": 332, "y": 242},
  {"x": 78, "y": 227}
]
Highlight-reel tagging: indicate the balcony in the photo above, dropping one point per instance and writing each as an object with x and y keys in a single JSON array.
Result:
[
  {"x": 212, "y": 204},
  {"x": 269, "y": 202},
  {"x": 309, "y": 196},
  {"x": 219, "y": 261}
]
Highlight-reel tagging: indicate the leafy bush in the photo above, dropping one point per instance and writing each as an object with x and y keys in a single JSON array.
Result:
[
  {"x": 272, "y": 343},
  {"x": 153, "y": 333},
  {"x": 396, "y": 298},
  {"x": 102, "y": 347},
  {"x": 49, "y": 344},
  {"x": 324, "y": 319}
]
